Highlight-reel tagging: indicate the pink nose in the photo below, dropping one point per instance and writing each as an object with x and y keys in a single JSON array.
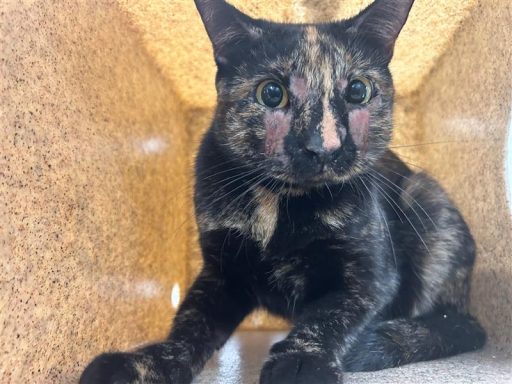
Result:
[
  {"x": 331, "y": 141},
  {"x": 316, "y": 146}
]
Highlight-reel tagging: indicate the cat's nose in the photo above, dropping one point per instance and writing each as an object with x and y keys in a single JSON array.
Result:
[{"x": 316, "y": 148}]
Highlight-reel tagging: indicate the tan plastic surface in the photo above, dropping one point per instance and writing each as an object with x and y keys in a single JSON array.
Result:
[{"x": 102, "y": 104}]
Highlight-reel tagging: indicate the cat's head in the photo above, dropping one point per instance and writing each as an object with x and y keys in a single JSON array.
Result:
[{"x": 306, "y": 104}]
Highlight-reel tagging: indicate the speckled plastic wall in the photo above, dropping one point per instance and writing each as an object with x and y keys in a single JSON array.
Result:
[
  {"x": 94, "y": 169},
  {"x": 465, "y": 111},
  {"x": 102, "y": 104}
]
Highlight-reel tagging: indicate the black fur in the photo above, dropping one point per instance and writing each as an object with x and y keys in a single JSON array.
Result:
[{"x": 370, "y": 261}]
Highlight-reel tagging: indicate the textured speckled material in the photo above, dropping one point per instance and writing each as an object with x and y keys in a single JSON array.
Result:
[
  {"x": 102, "y": 104},
  {"x": 93, "y": 174},
  {"x": 240, "y": 361},
  {"x": 467, "y": 104}
]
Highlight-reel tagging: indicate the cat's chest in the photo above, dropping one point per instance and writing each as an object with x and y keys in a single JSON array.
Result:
[
  {"x": 294, "y": 254},
  {"x": 283, "y": 284},
  {"x": 264, "y": 218},
  {"x": 282, "y": 224}
]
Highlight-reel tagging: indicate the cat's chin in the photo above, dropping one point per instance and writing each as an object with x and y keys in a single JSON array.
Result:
[{"x": 304, "y": 184}]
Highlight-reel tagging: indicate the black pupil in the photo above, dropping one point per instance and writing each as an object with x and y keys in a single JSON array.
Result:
[
  {"x": 356, "y": 92},
  {"x": 272, "y": 95}
]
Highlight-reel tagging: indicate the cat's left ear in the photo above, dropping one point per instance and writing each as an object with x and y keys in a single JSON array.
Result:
[
  {"x": 227, "y": 27},
  {"x": 381, "y": 23}
]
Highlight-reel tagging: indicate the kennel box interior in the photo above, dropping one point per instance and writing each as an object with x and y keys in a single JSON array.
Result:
[{"x": 102, "y": 106}]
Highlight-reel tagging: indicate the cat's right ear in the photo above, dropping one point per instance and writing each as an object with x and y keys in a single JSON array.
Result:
[
  {"x": 381, "y": 22},
  {"x": 227, "y": 27}
]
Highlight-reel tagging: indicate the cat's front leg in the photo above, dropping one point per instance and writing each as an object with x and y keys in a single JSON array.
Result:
[
  {"x": 326, "y": 328},
  {"x": 313, "y": 351},
  {"x": 207, "y": 317}
]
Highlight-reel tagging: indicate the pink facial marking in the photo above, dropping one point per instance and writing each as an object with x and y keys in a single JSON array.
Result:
[
  {"x": 277, "y": 124},
  {"x": 330, "y": 138},
  {"x": 342, "y": 84},
  {"x": 359, "y": 121},
  {"x": 299, "y": 88}
]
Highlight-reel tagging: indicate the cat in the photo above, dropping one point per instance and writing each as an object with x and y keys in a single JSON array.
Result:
[{"x": 305, "y": 211}]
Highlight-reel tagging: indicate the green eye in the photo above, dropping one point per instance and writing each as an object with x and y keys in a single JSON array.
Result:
[
  {"x": 359, "y": 91},
  {"x": 272, "y": 94}
]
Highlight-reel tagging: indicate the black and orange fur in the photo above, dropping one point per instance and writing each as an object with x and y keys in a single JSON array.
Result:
[{"x": 304, "y": 210}]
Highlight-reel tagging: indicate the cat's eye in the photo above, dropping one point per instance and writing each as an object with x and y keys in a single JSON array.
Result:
[
  {"x": 272, "y": 94},
  {"x": 359, "y": 91}
]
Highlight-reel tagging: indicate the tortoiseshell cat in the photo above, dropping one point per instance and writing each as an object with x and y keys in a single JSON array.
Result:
[{"x": 303, "y": 210}]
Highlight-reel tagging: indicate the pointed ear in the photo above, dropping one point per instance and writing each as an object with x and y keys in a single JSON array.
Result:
[
  {"x": 382, "y": 22},
  {"x": 226, "y": 26}
]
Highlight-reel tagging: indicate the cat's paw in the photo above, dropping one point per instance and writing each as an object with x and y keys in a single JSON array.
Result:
[
  {"x": 300, "y": 368},
  {"x": 110, "y": 368},
  {"x": 126, "y": 368}
]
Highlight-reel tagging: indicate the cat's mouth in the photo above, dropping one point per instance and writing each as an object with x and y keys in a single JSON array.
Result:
[
  {"x": 314, "y": 174},
  {"x": 310, "y": 179},
  {"x": 302, "y": 170}
]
